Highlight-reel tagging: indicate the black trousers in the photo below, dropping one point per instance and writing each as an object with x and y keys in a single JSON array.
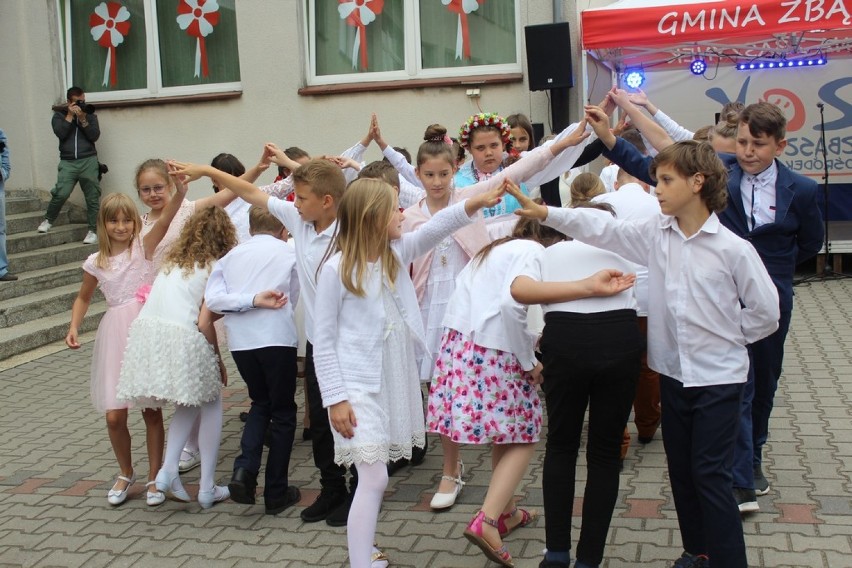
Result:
[
  {"x": 700, "y": 426},
  {"x": 590, "y": 361},
  {"x": 270, "y": 374},
  {"x": 332, "y": 476}
]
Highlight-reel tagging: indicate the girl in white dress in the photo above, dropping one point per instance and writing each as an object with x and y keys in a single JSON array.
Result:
[
  {"x": 367, "y": 333},
  {"x": 172, "y": 354}
]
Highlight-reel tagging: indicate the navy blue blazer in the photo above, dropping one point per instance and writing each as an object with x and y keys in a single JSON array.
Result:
[{"x": 796, "y": 235}]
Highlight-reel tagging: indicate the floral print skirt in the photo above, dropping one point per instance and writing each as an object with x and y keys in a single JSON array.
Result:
[{"x": 480, "y": 395}]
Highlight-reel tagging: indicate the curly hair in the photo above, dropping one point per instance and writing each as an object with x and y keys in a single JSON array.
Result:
[{"x": 205, "y": 238}]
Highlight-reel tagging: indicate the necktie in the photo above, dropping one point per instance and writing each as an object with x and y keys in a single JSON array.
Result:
[{"x": 753, "y": 224}]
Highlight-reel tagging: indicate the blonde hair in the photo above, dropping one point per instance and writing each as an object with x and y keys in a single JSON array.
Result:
[
  {"x": 112, "y": 205},
  {"x": 204, "y": 239},
  {"x": 262, "y": 221},
  {"x": 586, "y": 186},
  {"x": 362, "y": 222},
  {"x": 323, "y": 177}
]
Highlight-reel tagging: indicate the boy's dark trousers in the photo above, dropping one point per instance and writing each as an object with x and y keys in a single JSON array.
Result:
[
  {"x": 270, "y": 374},
  {"x": 700, "y": 427},
  {"x": 332, "y": 476}
]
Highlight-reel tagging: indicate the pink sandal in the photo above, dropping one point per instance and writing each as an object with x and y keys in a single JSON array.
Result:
[
  {"x": 527, "y": 517},
  {"x": 473, "y": 533}
]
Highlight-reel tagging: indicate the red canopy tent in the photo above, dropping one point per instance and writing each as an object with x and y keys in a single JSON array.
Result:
[{"x": 652, "y": 33}]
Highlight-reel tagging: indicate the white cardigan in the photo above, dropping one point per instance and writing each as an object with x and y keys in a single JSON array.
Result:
[
  {"x": 482, "y": 306},
  {"x": 349, "y": 331}
]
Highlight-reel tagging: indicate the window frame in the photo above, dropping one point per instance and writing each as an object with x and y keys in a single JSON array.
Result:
[
  {"x": 155, "y": 89},
  {"x": 413, "y": 70}
]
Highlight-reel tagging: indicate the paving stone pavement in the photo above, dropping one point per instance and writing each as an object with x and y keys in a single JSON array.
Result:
[{"x": 56, "y": 466}]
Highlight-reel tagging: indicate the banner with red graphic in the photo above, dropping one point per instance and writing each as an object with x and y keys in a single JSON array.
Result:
[
  {"x": 360, "y": 14},
  {"x": 197, "y": 18},
  {"x": 462, "y": 8},
  {"x": 663, "y": 22},
  {"x": 108, "y": 24}
]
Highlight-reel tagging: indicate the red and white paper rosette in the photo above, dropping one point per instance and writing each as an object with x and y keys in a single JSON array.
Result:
[
  {"x": 360, "y": 13},
  {"x": 198, "y": 17},
  {"x": 462, "y": 8},
  {"x": 109, "y": 23}
]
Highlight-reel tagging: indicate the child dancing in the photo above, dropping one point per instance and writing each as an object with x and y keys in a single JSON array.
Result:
[{"x": 172, "y": 354}]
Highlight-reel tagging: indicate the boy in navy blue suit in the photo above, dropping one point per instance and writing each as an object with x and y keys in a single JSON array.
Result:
[{"x": 776, "y": 210}]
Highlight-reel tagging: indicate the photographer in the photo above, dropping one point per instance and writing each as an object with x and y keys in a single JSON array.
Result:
[{"x": 76, "y": 126}]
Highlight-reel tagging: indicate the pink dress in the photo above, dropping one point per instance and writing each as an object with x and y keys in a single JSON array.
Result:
[{"x": 120, "y": 282}]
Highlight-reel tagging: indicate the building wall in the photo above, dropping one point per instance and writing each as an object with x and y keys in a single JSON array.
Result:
[{"x": 270, "y": 109}]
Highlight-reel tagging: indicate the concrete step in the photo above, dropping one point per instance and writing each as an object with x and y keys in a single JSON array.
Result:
[
  {"x": 29, "y": 221},
  {"x": 51, "y": 256},
  {"x": 42, "y": 304},
  {"x": 61, "y": 235},
  {"x": 18, "y": 202},
  {"x": 44, "y": 279},
  {"x": 24, "y": 337}
]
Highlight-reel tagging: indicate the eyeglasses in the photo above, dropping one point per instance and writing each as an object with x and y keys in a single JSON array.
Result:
[{"x": 149, "y": 189}]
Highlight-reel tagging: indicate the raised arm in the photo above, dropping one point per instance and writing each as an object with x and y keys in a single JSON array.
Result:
[
  {"x": 677, "y": 132},
  {"x": 239, "y": 187},
  {"x": 620, "y": 152},
  {"x": 158, "y": 231},
  {"x": 261, "y": 166},
  {"x": 652, "y": 131}
]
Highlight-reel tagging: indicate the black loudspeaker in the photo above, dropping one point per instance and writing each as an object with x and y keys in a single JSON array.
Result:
[{"x": 549, "y": 56}]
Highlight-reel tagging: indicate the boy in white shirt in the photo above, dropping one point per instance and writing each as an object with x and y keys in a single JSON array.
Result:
[
  {"x": 709, "y": 296},
  {"x": 261, "y": 273},
  {"x": 312, "y": 222}
]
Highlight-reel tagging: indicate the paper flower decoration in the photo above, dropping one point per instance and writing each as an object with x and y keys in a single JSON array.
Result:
[
  {"x": 462, "y": 8},
  {"x": 198, "y": 17},
  {"x": 360, "y": 13},
  {"x": 109, "y": 23}
]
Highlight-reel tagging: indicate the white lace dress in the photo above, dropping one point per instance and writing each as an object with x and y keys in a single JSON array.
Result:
[
  {"x": 167, "y": 358},
  {"x": 390, "y": 421}
]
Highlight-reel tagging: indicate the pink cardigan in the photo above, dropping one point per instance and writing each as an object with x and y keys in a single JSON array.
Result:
[{"x": 471, "y": 238}]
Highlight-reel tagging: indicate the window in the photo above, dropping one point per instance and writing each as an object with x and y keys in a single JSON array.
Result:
[
  {"x": 137, "y": 49},
  {"x": 381, "y": 40}
]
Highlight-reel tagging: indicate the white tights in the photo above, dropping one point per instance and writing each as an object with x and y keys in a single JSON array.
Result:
[
  {"x": 209, "y": 435},
  {"x": 364, "y": 513}
]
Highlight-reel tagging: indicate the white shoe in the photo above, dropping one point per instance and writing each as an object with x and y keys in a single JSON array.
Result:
[
  {"x": 155, "y": 497},
  {"x": 188, "y": 460},
  {"x": 170, "y": 485},
  {"x": 91, "y": 238},
  {"x": 119, "y": 496},
  {"x": 378, "y": 559},
  {"x": 447, "y": 500},
  {"x": 45, "y": 226},
  {"x": 209, "y": 498}
]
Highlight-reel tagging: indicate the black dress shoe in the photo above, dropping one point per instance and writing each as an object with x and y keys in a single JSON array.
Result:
[
  {"x": 418, "y": 454},
  {"x": 326, "y": 502},
  {"x": 8, "y": 277},
  {"x": 340, "y": 516},
  {"x": 397, "y": 465},
  {"x": 291, "y": 497},
  {"x": 243, "y": 486}
]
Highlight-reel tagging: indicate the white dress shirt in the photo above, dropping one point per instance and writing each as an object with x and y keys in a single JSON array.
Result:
[
  {"x": 631, "y": 202},
  {"x": 261, "y": 263},
  {"x": 758, "y": 194},
  {"x": 709, "y": 294},
  {"x": 310, "y": 250}
]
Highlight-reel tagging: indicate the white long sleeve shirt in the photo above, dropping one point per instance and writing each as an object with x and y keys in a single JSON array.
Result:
[
  {"x": 261, "y": 263},
  {"x": 709, "y": 294}
]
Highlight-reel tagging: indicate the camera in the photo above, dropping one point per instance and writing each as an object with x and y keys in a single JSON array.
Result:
[
  {"x": 85, "y": 107},
  {"x": 102, "y": 169}
]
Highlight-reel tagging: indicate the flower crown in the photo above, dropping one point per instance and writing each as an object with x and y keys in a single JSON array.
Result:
[{"x": 490, "y": 119}]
